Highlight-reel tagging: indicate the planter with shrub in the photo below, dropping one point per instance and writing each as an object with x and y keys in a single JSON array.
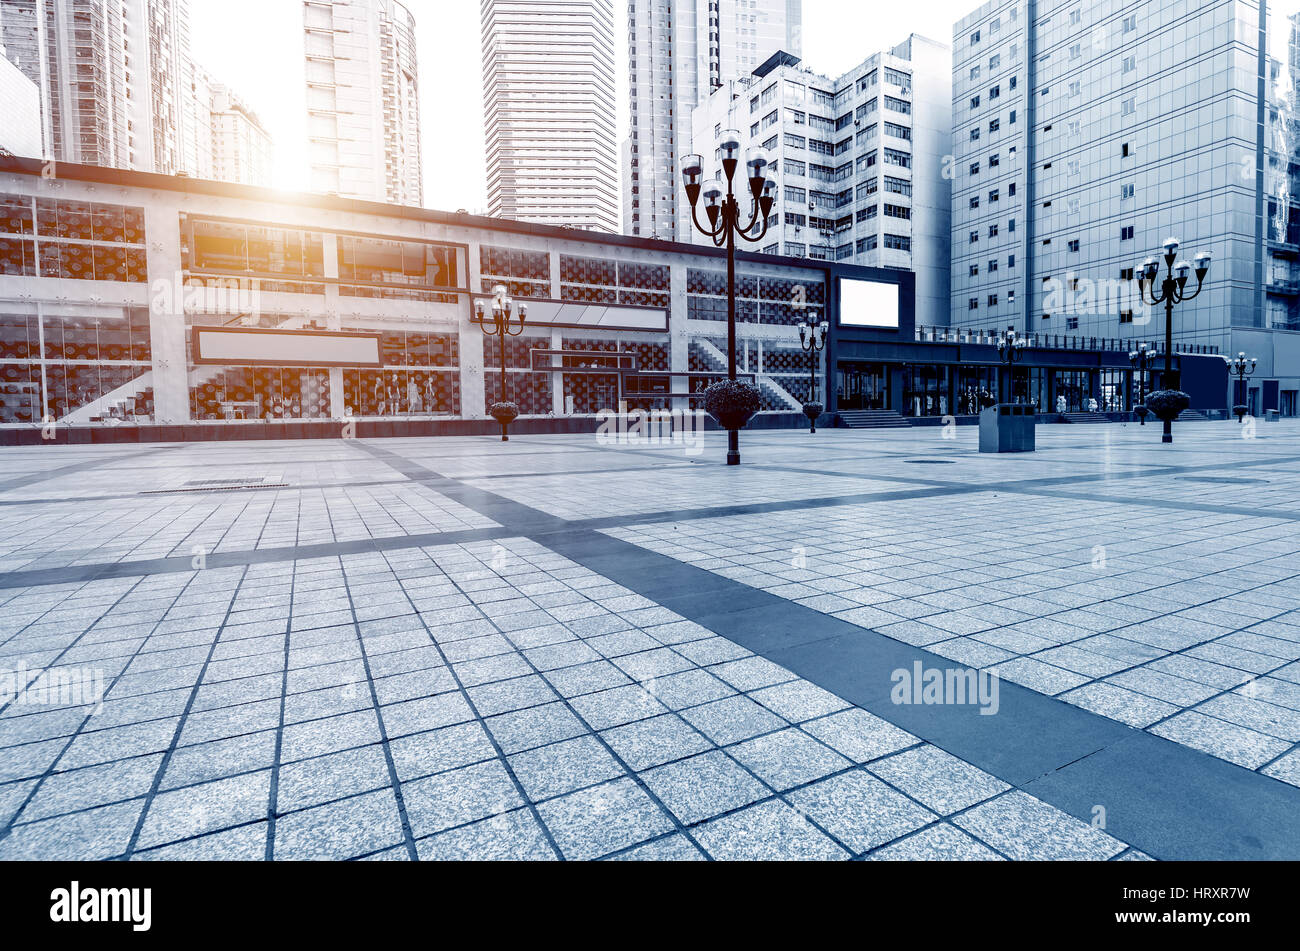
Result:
[{"x": 732, "y": 403}]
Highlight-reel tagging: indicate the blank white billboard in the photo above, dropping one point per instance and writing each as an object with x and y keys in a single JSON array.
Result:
[
  {"x": 285, "y": 348},
  {"x": 868, "y": 304}
]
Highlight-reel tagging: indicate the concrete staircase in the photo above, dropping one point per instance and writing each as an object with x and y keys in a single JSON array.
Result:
[
  {"x": 1086, "y": 417},
  {"x": 1192, "y": 416},
  {"x": 774, "y": 390},
  {"x": 872, "y": 419}
]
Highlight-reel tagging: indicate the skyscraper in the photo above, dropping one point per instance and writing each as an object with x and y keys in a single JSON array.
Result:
[
  {"x": 548, "y": 107},
  {"x": 112, "y": 78},
  {"x": 363, "y": 104},
  {"x": 241, "y": 148},
  {"x": 859, "y": 160},
  {"x": 679, "y": 51}
]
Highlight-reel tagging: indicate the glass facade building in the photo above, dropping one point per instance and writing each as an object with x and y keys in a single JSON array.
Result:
[{"x": 1086, "y": 132}]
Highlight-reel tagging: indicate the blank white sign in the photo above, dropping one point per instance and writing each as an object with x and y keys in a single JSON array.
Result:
[
  {"x": 868, "y": 304},
  {"x": 288, "y": 349}
]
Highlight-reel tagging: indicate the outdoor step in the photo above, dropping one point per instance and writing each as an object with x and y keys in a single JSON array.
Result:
[
  {"x": 1086, "y": 417},
  {"x": 873, "y": 419}
]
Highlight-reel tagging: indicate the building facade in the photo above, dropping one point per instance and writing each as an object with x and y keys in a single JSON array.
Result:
[
  {"x": 241, "y": 147},
  {"x": 113, "y": 78},
  {"x": 1086, "y": 132},
  {"x": 363, "y": 100},
  {"x": 149, "y": 300},
  {"x": 679, "y": 51},
  {"x": 548, "y": 112},
  {"x": 860, "y": 160}
]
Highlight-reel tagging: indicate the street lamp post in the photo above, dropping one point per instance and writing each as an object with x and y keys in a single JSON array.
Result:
[
  {"x": 1243, "y": 367},
  {"x": 1141, "y": 359},
  {"x": 1010, "y": 349},
  {"x": 722, "y": 209},
  {"x": 812, "y": 337},
  {"x": 503, "y": 309},
  {"x": 1173, "y": 290}
]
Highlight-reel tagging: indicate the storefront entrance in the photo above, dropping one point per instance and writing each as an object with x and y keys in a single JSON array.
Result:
[{"x": 862, "y": 386}]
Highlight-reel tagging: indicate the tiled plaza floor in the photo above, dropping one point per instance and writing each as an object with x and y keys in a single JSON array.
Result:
[{"x": 397, "y": 649}]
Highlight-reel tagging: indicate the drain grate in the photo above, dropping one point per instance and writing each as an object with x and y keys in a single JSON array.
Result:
[
  {"x": 930, "y": 462},
  {"x": 1222, "y": 480},
  {"x": 217, "y": 482},
  {"x": 217, "y": 488}
]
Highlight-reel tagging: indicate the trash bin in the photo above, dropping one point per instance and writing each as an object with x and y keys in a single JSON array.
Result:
[
  {"x": 1270, "y": 416},
  {"x": 1007, "y": 427}
]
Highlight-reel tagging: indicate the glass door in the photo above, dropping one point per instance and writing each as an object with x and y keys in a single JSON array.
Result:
[{"x": 862, "y": 386}]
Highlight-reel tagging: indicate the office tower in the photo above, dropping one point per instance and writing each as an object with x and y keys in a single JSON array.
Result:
[
  {"x": 859, "y": 160},
  {"x": 1086, "y": 132},
  {"x": 113, "y": 78},
  {"x": 363, "y": 105},
  {"x": 679, "y": 51},
  {"x": 241, "y": 147},
  {"x": 548, "y": 111}
]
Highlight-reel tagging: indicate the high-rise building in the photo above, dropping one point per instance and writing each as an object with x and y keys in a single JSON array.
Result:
[
  {"x": 114, "y": 80},
  {"x": 859, "y": 161},
  {"x": 1087, "y": 132},
  {"x": 241, "y": 147},
  {"x": 363, "y": 103},
  {"x": 548, "y": 111},
  {"x": 679, "y": 51}
]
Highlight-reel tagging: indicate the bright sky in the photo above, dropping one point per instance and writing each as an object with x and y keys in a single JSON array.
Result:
[{"x": 255, "y": 46}]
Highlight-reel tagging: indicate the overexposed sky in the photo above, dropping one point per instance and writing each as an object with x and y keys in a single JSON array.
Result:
[{"x": 255, "y": 47}]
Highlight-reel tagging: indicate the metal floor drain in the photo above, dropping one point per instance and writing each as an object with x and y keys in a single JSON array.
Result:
[
  {"x": 216, "y": 482},
  {"x": 217, "y": 488},
  {"x": 1221, "y": 480}
]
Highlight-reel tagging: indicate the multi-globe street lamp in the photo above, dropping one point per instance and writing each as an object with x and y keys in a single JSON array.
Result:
[
  {"x": 812, "y": 337},
  {"x": 1011, "y": 348},
  {"x": 1243, "y": 366},
  {"x": 1173, "y": 290},
  {"x": 722, "y": 209},
  {"x": 1141, "y": 359},
  {"x": 503, "y": 309}
]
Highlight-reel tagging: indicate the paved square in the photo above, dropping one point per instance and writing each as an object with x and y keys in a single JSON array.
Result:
[{"x": 548, "y": 649}]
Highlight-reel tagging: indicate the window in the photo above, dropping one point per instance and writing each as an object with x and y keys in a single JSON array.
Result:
[
  {"x": 974, "y": 237},
  {"x": 795, "y": 141},
  {"x": 898, "y": 211},
  {"x": 974, "y": 102},
  {"x": 974, "y": 168},
  {"x": 898, "y": 131},
  {"x": 993, "y": 265},
  {"x": 993, "y": 230},
  {"x": 1128, "y": 106},
  {"x": 1071, "y": 323},
  {"x": 1011, "y": 117},
  {"x": 993, "y": 300},
  {"x": 974, "y": 201},
  {"x": 900, "y": 159},
  {"x": 901, "y": 106},
  {"x": 974, "y": 270},
  {"x": 994, "y": 125},
  {"x": 974, "y": 72},
  {"x": 898, "y": 242},
  {"x": 995, "y": 61},
  {"x": 795, "y": 117},
  {"x": 993, "y": 195},
  {"x": 1073, "y": 245},
  {"x": 1126, "y": 233},
  {"x": 1011, "y": 296},
  {"x": 973, "y": 304},
  {"x": 770, "y": 119},
  {"x": 1130, "y": 64},
  {"x": 793, "y": 194},
  {"x": 797, "y": 220},
  {"x": 975, "y": 134},
  {"x": 1126, "y": 274},
  {"x": 1011, "y": 224},
  {"x": 1126, "y": 191},
  {"x": 1011, "y": 190},
  {"x": 993, "y": 160},
  {"x": 995, "y": 91},
  {"x": 1130, "y": 23},
  {"x": 899, "y": 186},
  {"x": 1126, "y": 316},
  {"x": 1125, "y": 150},
  {"x": 1013, "y": 82},
  {"x": 1011, "y": 260},
  {"x": 974, "y": 37}
]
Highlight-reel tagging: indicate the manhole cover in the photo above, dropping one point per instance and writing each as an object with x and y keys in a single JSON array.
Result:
[
  {"x": 1220, "y": 480},
  {"x": 930, "y": 462}
]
